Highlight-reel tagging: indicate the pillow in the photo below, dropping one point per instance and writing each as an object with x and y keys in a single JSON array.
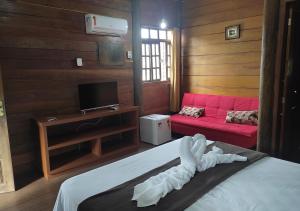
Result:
[
  {"x": 192, "y": 111},
  {"x": 242, "y": 117}
]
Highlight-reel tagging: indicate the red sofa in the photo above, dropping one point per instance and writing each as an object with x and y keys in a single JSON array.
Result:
[{"x": 213, "y": 124}]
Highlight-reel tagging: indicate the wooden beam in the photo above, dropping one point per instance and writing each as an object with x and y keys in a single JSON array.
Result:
[
  {"x": 267, "y": 73},
  {"x": 136, "y": 45}
]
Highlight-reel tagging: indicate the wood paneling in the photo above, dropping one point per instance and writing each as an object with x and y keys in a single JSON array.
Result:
[
  {"x": 232, "y": 58},
  {"x": 39, "y": 41},
  {"x": 156, "y": 97},
  {"x": 213, "y": 65},
  {"x": 255, "y": 10},
  {"x": 252, "y": 34},
  {"x": 137, "y": 54},
  {"x": 152, "y": 12},
  {"x": 219, "y": 27},
  {"x": 221, "y": 6},
  {"x": 223, "y": 48},
  {"x": 222, "y": 69},
  {"x": 222, "y": 85}
]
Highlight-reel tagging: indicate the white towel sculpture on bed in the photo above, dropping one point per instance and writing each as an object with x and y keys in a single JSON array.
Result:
[{"x": 191, "y": 159}]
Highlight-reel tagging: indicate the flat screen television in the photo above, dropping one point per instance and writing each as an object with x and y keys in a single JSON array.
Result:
[{"x": 98, "y": 95}]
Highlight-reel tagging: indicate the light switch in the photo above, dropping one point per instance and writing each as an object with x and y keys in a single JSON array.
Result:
[
  {"x": 129, "y": 54},
  {"x": 1, "y": 109},
  {"x": 79, "y": 62}
]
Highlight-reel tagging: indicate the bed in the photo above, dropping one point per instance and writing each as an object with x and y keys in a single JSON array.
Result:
[{"x": 267, "y": 184}]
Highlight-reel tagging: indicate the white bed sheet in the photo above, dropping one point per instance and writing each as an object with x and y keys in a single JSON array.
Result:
[
  {"x": 76, "y": 189},
  {"x": 269, "y": 184}
]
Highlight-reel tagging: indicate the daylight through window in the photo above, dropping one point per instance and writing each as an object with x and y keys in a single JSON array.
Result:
[{"x": 156, "y": 54}]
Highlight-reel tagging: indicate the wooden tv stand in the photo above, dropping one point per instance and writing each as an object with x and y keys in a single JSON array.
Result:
[{"x": 73, "y": 141}]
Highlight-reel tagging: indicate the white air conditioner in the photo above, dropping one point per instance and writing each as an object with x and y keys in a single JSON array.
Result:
[{"x": 97, "y": 24}]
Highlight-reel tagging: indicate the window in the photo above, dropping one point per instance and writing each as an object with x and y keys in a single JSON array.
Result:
[{"x": 156, "y": 54}]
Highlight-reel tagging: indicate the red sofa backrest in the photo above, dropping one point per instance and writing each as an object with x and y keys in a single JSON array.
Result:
[{"x": 217, "y": 105}]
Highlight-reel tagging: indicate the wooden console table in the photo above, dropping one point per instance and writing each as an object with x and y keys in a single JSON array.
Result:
[{"x": 73, "y": 141}]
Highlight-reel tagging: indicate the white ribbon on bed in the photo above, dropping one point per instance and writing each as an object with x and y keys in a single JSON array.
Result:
[{"x": 192, "y": 158}]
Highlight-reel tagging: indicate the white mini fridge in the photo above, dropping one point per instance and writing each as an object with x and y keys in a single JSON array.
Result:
[{"x": 155, "y": 129}]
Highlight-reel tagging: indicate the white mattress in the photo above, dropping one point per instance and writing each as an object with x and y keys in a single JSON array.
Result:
[{"x": 269, "y": 184}]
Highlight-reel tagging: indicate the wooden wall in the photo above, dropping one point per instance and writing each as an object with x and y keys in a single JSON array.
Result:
[
  {"x": 212, "y": 64},
  {"x": 156, "y": 98},
  {"x": 39, "y": 40},
  {"x": 156, "y": 95},
  {"x": 152, "y": 12}
]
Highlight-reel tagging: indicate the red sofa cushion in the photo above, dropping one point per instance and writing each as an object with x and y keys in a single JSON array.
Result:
[
  {"x": 217, "y": 106},
  {"x": 213, "y": 124},
  {"x": 216, "y": 124}
]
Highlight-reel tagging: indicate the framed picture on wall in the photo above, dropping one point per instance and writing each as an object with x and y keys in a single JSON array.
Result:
[{"x": 232, "y": 32}]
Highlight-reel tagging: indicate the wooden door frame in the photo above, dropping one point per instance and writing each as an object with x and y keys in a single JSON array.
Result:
[
  {"x": 279, "y": 75},
  {"x": 288, "y": 143},
  {"x": 5, "y": 155},
  {"x": 283, "y": 69},
  {"x": 272, "y": 64},
  {"x": 267, "y": 74}
]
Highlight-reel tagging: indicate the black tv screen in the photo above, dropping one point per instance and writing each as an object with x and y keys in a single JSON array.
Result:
[{"x": 97, "y": 95}]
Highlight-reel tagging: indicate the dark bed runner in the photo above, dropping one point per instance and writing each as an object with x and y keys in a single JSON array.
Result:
[{"x": 119, "y": 198}]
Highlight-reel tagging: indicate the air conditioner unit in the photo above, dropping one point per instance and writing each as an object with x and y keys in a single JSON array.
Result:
[{"x": 97, "y": 24}]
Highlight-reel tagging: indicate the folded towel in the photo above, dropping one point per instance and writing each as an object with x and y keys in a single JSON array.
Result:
[
  {"x": 199, "y": 146},
  {"x": 216, "y": 156},
  {"x": 192, "y": 158},
  {"x": 152, "y": 190}
]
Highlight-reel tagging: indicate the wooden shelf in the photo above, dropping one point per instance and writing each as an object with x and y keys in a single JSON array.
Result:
[
  {"x": 71, "y": 118},
  {"x": 69, "y": 140},
  {"x": 80, "y": 161},
  {"x": 64, "y": 149}
]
